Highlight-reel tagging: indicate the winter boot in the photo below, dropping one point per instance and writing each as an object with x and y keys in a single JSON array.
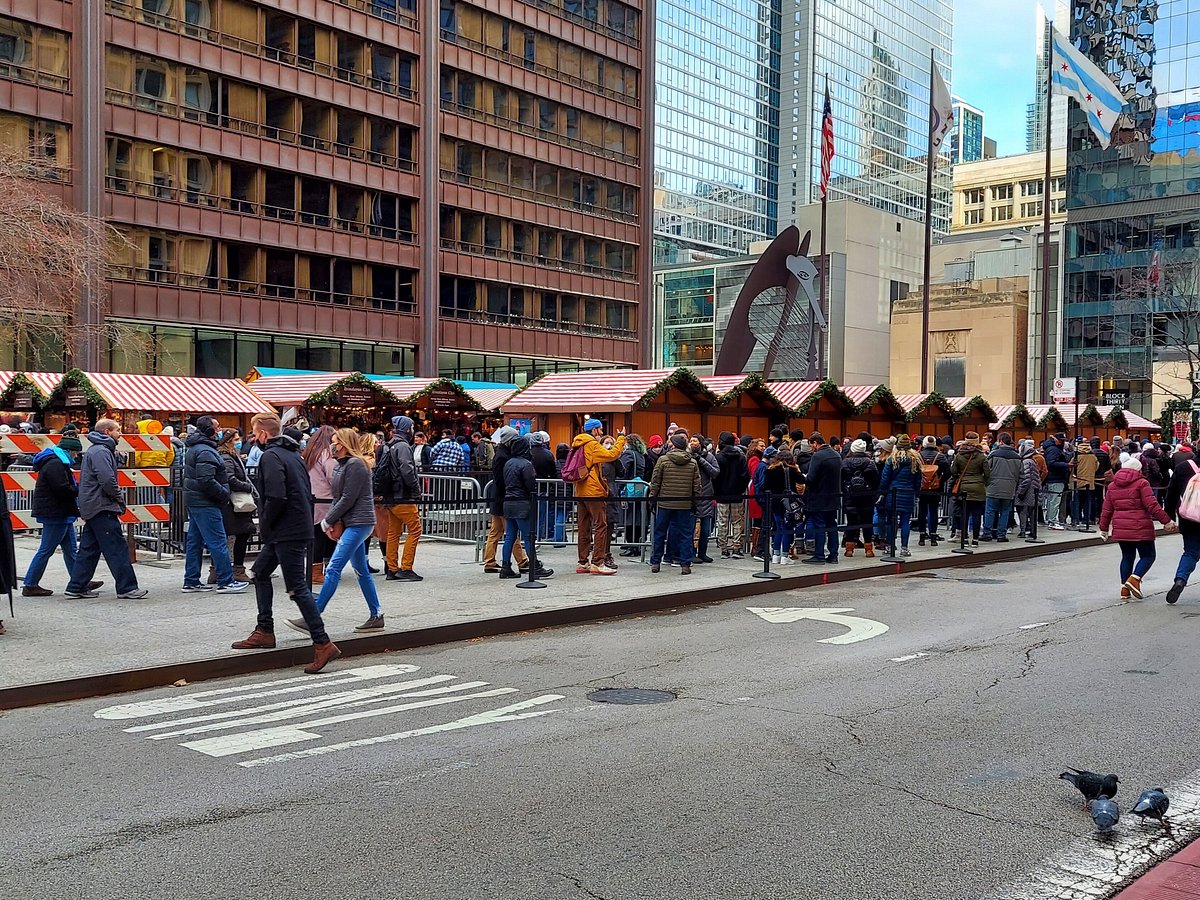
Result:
[
  {"x": 318, "y": 573},
  {"x": 212, "y": 575},
  {"x": 921, "y": 542},
  {"x": 849, "y": 549},
  {"x": 870, "y": 549}
]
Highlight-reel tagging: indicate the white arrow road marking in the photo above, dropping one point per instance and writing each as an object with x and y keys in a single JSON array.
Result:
[
  {"x": 907, "y": 658},
  {"x": 1034, "y": 625},
  {"x": 861, "y": 629},
  {"x": 181, "y": 702},
  {"x": 491, "y": 717}
]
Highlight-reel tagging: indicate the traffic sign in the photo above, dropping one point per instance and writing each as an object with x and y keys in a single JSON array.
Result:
[{"x": 1063, "y": 391}]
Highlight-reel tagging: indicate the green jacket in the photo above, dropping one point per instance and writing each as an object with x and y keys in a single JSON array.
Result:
[
  {"x": 971, "y": 473},
  {"x": 677, "y": 477}
]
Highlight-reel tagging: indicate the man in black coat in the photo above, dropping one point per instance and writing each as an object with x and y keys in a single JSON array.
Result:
[
  {"x": 56, "y": 507},
  {"x": 285, "y": 522},
  {"x": 731, "y": 483},
  {"x": 822, "y": 496}
]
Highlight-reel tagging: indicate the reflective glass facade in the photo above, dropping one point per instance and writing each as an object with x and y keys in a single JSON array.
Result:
[
  {"x": 1134, "y": 209},
  {"x": 966, "y": 140},
  {"x": 876, "y": 55},
  {"x": 716, "y": 153}
]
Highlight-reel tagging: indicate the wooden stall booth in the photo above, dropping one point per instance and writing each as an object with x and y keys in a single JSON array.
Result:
[
  {"x": 875, "y": 411},
  {"x": 23, "y": 394},
  {"x": 745, "y": 405},
  {"x": 642, "y": 401},
  {"x": 325, "y": 398},
  {"x": 816, "y": 406},
  {"x": 435, "y": 403},
  {"x": 1134, "y": 424},
  {"x": 970, "y": 414},
  {"x": 928, "y": 414},
  {"x": 1017, "y": 420},
  {"x": 1048, "y": 421}
]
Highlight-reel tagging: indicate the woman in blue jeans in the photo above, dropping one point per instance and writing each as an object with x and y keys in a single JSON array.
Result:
[
  {"x": 56, "y": 507},
  {"x": 353, "y": 509},
  {"x": 784, "y": 482},
  {"x": 899, "y": 483}
]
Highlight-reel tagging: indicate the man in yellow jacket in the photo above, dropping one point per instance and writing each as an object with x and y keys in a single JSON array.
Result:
[{"x": 592, "y": 499}]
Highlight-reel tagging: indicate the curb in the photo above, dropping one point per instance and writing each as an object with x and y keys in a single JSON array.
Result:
[{"x": 107, "y": 683}]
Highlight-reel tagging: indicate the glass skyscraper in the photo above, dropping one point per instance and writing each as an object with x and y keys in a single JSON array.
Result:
[
  {"x": 1132, "y": 267},
  {"x": 716, "y": 153},
  {"x": 876, "y": 55},
  {"x": 967, "y": 140}
]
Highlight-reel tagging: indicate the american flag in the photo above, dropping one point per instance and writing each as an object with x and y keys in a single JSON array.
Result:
[{"x": 826, "y": 142}]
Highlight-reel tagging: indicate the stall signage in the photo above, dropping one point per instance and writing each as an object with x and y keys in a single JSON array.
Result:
[
  {"x": 73, "y": 396},
  {"x": 1115, "y": 398},
  {"x": 22, "y": 400},
  {"x": 443, "y": 398},
  {"x": 356, "y": 395},
  {"x": 523, "y": 426}
]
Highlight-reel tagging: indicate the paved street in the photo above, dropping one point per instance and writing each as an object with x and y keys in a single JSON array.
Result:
[{"x": 916, "y": 762}]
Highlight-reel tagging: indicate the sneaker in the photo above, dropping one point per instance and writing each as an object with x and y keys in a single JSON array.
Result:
[
  {"x": 234, "y": 587},
  {"x": 135, "y": 594},
  {"x": 81, "y": 595},
  {"x": 655, "y": 568},
  {"x": 1125, "y": 595},
  {"x": 786, "y": 561},
  {"x": 407, "y": 575},
  {"x": 987, "y": 538},
  {"x": 95, "y": 585},
  {"x": 904, "y": 551},
  {"x": 814, "y": 560},
  {"x": 197, "y": 588},
  {"x": 1176, "y": 590},
  {"x": 725, "y": 554},
  {"x": 487, "y": 570},
  {"x": 703, "y": 559},
  {"x": 974, "y": 543},
  {"x": 36, "y": 590},
  {"x": 757, "y": 557},
  {"x": 375, "y": 623},
  {"x": 736, "y": 554},
  {"x": 601, "y": 570},
  {"x": 1002, "y": 540},
  {"x": 1057, "y": 527},
  {"x": 583, "y": 569},
  {"x": 297, "y": 625}
]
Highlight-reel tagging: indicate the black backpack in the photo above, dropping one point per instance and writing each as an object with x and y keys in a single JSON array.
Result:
[
  {"x": 383, "y": 479},
  {"x": 858, "y": 483}
]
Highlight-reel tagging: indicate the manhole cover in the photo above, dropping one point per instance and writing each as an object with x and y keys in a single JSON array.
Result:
[
  {"x": 630, "y": 696},
  {"x": 1139, "y": 672}
]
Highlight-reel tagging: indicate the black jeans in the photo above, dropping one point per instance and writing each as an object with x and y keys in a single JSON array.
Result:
[
  {"x": 927, "y": 514},
  {"x": 290, "y": 557},
  {"x": 240, "y": 543},
  {"x": 102, "y": 535},
  {"x": 860, "y": 514}
]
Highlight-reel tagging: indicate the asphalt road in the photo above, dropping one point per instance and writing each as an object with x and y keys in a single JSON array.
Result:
[{"x": 785, "y": 768}]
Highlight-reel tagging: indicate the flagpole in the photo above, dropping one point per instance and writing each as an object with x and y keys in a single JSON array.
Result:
[
  {"x": 1045, "y": 374},
  {"x": 821, "y": 370},
  {"x": 928, "y": 239}
]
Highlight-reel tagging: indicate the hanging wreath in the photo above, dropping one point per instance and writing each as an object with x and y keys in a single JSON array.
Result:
[{"x": 22, "y": 382}]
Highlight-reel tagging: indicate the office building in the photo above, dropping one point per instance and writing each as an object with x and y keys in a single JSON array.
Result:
[
  {"x": 716, "y": 154},
  {"x": 348, "y": 184},
  {"x": 967, "y": 141},
  {"x": 1131, "y": 291},
  {"x": 1008, "y": 192},
  {"x": 1056, "y": 13},
  {"x": 877, "y": 59}
]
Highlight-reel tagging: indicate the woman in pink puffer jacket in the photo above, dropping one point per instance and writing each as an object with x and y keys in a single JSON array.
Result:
[{"x": 1128, "y": 517}]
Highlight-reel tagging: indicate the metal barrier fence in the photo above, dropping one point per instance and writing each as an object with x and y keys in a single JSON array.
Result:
[{"x": 452, "y": 509}]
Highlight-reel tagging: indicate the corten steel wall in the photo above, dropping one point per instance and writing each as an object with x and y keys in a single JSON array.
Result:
[{"x": 98, "y": 112}]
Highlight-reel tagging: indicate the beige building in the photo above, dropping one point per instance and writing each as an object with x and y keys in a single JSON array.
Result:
[
  {"x": 978, "y": 340},
  {"x": 1008, "y": 192}
]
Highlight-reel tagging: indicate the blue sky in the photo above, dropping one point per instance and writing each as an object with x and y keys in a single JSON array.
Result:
[{"x": 994, "y": 45}]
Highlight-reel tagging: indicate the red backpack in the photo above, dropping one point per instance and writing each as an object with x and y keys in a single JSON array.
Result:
[{"x": 575, "y": 468}]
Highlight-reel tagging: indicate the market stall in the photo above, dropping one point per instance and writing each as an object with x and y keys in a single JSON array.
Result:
[
  {"x": 816, "y": 406},
  {"x": 875, "y": 411},
  {"x": 970, "y": 414},
  {"x": 325, "y": 398},
  {"x": 745, "y": 405},
  {"x": 22, "y": 395},
  {"x": 437, "y": 403},
  {"x": 927, "y": 414},
  {"x": 1049, "y": 420},
  {"x": 1016, "y": 419}
]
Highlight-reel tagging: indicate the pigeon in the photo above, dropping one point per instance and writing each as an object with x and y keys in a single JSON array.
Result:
[
  {"x": 1105, "y": 813},
  {"x": 1153, "y": 804},
  {"x": 1091, "y": 784}
]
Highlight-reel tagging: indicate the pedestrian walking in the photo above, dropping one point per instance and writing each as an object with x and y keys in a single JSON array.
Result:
[
  {"x": 55, "y": 507},
  {"x": 1029, "y": 488},
  {"x": 783, "y": 482},
  {"x": 899, "y": 483},
  {"x": 705, "y": 508},
  {"x": 317, "y": 456},
  {"x": 591, "y": 495},
  {"x": 935, "y": 470},
  {"x": 238, "y": 512},
  {"x": 1186, "y": 516},
  {"x": 822, "y": 494},
  {"x": 970, "y": 473},
  {"x": 350, "y": 522},
  {"x": 729, "y": 488},
  {"x": 101, "y": 503},
  {"x": 860, "y": 491},
  {"x": 398, "y": 486},
  {"x": 520, "y": 497},
  {"x": 205, "y": 494},
  {"x": 675, "y": 486},
  {"x": 1128, "y": 517},
  {"x": 284, "y": 521},
  {"x": 1004, "y": 477}
]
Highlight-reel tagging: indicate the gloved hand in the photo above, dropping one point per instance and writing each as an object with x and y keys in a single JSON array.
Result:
[{"x": 1104, "y": 536}]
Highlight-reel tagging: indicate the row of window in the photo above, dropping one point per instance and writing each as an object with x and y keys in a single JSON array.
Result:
[
  {"x": 1029, "y": 188},
  {"x": 220, "y": 265},
  {"x": 608, "y": 17},
  {"x": 523, "y": 177},
  {"x": 500, "y": 37},
  {"x": 472, "y": 232},
  {"x": 45, "y": 144},
  {"x": 135, "y": 167},
  {"x": 146, "y": 82},
  {"x": 217, "y": 20},
  {"x": 35, "y": 54},
  {"x": 489, "y": 101},
  {"x": 503, "y": 304}
]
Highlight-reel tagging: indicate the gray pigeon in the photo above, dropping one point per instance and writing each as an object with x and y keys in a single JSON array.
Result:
[
  {"x": 1091, "y": 784},
  {"x": 1105, "y": 814},
  {"x": 1152, "y": 804}
]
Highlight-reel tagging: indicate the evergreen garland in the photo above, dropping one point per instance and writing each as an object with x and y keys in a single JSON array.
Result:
[
  {"x": 977, "y": 402},
  {"x": 444, "y": 383},
  {"x": 933, "y": 398},
  {"x": 681, "y": 377},
  {"x": 825, "y": 389},
  {"x": 324, "y": 396},
  {"x": 22, "y": 382},
  {"x": 76, "y": 378},
  {"x": 881, "y": 394},
  {"x": 1019, "y": 410},
  {"x": 1166, "y": 419}
]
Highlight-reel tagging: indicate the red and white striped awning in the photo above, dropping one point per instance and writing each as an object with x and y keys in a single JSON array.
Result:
[
  {"x": 593, "y": 391},
  {"x": 859, "y": 393},
  {"x": 794, "y": 394},
  {"x": 404, "y": 387},
  {"x": 170, "y": 393},
  {"x": 909, "y": 402},
  {"x": 293, "y": 390},
  {"x": 1039, "y": 411},
  {"x": 46, "y": 381},
  {"x": 723, "y": 384},
  {"x": 1136, "y": 421},
  {"x": 1003, "y": 412}
]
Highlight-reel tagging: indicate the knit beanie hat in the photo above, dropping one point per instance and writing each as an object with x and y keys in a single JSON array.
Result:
[
  {"x": 904, "y": 442},
  {"x": 858, "y": 446},
  {"x": 678, "y": 441},
  {"x": 1133, "y": 463},
  {"x": 930, "y": 441}
]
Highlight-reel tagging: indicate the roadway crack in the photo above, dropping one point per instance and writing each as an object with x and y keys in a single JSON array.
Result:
[
  {"x": 580, "y": 885},
  {"x": 1028, "y": 664}
]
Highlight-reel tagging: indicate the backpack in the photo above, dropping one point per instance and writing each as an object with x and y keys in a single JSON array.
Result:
[
  {"x": 383, "y": 478},
  {"x": 858, "y": 484},
  {"x": 931, "y": 478},
  {"x": 575, "y": 468},
  {"x": 635, "y": 488},
  {"x": 1189, "y": 503},
  {"x": 484, "y": 454}
]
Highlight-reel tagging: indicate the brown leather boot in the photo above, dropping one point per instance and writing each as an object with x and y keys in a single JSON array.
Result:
[
  {"x": 212, "y": 575},
  {"x": 849, "y": 549},
  {"x": 240, "y": 574},
  {"x": 869, "y": 548},
  {"x": 318, "y": 573},
  {"x": 323, "y": 654},
  {"x": 258, "y": 640}
]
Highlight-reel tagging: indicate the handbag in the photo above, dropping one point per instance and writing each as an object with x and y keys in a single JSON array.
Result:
[
  {"x": 336, "y": 530},
  {"x": 243, "y": 502}
]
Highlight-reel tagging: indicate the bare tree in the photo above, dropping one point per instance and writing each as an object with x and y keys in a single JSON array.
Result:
[{"x": 51, "y": 256}]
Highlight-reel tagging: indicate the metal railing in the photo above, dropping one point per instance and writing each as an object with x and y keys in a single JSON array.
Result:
[
  {"x": 509, "y": 189},
  {"x": 533, "y": 130}
]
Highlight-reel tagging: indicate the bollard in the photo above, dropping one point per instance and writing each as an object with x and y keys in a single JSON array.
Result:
[
  {"x": 768, "y": 522},
  {"x": 962, "y": 532},
  {"x": 531, "y": 582},
  {"x": 893, "y": 529}
]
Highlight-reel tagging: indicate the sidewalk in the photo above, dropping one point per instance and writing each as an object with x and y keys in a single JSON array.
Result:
[
  {"x": 1177, "y": 878},
  {"x": 56, "y": 638}
]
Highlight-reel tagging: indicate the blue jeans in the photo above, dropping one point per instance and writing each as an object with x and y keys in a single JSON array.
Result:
[
  {"x": 1131, "y": 550},
  {"x": 905, "y": 515},
  {"x": 673, "y": 533},
  {"x": 351, "y": 548},
  {"x": 706, "y": 530},
  {"x": 783, "y": 533},
  {"x": 1187, "y": 562},
  {"x": 513, "y": 527},
  {"x": 102, "y": 536},
  {"x": 996, "y": 513},
  {"x": 826, "y": 527},
  {"x": 206, "y": 528},
  {"x": 54, "y": 535}
]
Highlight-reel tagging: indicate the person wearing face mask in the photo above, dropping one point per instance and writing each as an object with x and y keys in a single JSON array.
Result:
[
  {"x": 239, "y": 524},
  {"x": 206, "y": 492}
]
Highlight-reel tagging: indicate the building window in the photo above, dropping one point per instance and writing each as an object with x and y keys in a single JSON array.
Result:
[
  {"x": 1029, "y": 210},
  {"x": 1002, "y": 214},
  {"x": 1002, "y": 191},
  {"x": 1031, "y": 188},
  {"x": 972, "y": 196},
  {"x": 972, "y": 217}
]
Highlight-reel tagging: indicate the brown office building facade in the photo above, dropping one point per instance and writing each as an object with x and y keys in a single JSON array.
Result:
[{"x": 346, "y": 185}]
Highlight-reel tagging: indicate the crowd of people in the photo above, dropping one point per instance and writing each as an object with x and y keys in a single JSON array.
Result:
[{"x": 316, "y": 499}]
